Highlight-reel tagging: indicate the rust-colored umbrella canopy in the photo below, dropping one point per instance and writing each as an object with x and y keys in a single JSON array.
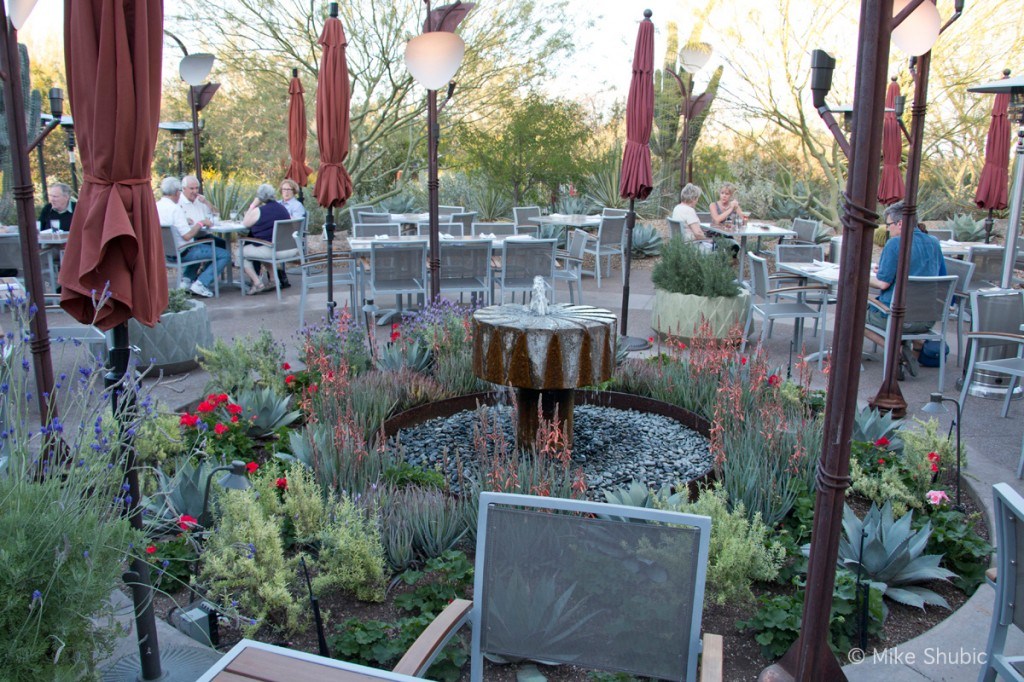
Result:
[
  {"x": 298, "y": 170},
  {"x": 113, "y": 56},
  {"x": 992, "y": 187},
  {"x": 890, "y": 184},
  {"x": 636, "y": 180},
  {"x": 333, "y": 185}
]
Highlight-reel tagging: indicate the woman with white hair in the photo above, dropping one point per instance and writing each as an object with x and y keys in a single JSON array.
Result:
[
  {"x": 686, "y": 214},
  {"x": 263, "y": 212}
]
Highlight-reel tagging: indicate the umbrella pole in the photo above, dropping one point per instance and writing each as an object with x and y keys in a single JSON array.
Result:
[
  {"x": 329, "y": 228},
  {"x": 989, "y": 222},
  {"x": 10, "y": 64},
  {"x": 137, "y": 577},
  {"x": 1013, "y": 227},
  {"x": 629, "y": 342}
]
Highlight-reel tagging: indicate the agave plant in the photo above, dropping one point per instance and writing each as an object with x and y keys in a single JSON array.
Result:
[
  {"x": 890, "y": 555},
  {"x": 181, "y": 494},
  {"x": 965, "y": 228},
  {"x": 552, "y": 232},
  {"x": 416, "y": 356},
  {"x": 646, "y": 241},
  {"x": 639, "y": 495},
  {"x": 269, "y": 411},
  {"x": 870, "y": 426},
  {"x": 577, "y": 205},
  {"x": 400, "y": 203}
]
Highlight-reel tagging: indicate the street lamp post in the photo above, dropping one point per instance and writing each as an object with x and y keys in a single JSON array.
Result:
[
  {"x": 69, "y": 143},
  {"x": 432, "y": 58},
  {"x": 692, "y": 58},
  {"x": 194, "y": 69}
]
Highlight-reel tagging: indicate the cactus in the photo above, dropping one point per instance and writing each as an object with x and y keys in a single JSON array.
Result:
[
  {"x": 33, "y": 108},
  {"x": 965, "y": 228}
]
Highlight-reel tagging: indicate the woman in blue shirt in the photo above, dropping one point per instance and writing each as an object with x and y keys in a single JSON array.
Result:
[{"x": 263, "y": 212}]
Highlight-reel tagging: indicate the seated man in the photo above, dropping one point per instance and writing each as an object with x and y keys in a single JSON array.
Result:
[
  {"x": 925, "y": 261},
  {"x": 58, "y": 209},
  {"x": 173, "y": 217}
]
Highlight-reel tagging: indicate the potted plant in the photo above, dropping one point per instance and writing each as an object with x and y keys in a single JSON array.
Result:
[
  {"x": 691, "y": 285},
  {"x": 172, "y": 345}
]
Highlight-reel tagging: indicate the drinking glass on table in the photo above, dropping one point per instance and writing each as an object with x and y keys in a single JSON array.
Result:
[
  {"x": 234, "y": 216},
  {"x": 55, "y": 226}
]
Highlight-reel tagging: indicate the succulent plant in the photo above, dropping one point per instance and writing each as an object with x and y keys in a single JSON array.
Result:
[
  {"x": 400, "y": 203},
  {"x": 889, "y": 554},
  {"x": 397, "y": 356},
  {"x": 552, "y": 232},
  {"x": 639, "y": 495},
  {"x": 646, "y": 241},
  {"x": 175, "y": 495},
  {"x": 870, "y": 425},
  {"x": 965, "y": 228},
  {"x": 573, "y": 205},
  {"x": 269, "y": 411}
]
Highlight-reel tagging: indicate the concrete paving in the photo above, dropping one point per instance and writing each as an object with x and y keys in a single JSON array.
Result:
[{"x": 992, "y": 446}]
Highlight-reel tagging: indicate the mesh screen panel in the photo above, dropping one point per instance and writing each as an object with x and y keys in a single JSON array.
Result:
[
  {"x": 1003, "y": 312},
  {"x": 926, "y": 301},
  {"x": 799, "y": 253},
  {"x": 596, "y": 593}
]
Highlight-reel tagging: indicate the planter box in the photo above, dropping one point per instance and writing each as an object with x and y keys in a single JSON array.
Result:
[
  {"x": 171, "y": 346},
  {"x": 679, "y": 315}
]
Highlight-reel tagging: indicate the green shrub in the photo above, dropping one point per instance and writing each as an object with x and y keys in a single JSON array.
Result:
[
  {"x": 245, "y": 364},
  {"x": 685, "y": 269},
  {"x": 963, "y": 551},
  {"x": 178, "y": 301},
  {"x": 302, "y": 502},
  {"x": 351, "y": 555},
  {"x": 418, "y": 524}
]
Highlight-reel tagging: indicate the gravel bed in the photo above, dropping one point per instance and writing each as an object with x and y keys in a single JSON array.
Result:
[{"x": 613, "y": 446}]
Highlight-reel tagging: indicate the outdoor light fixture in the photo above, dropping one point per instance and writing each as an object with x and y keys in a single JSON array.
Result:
[
  {"x": 1015, "y": 88},
  {"x": 822, "y": 66},
  {"x": 695, "y": 56},
  {"x": 18, "y": 11},
  {"x": 194, "y": 69},
  {"x": 433, "y": 58},
  {"x": 235, "y": 479},
  {"x": 935, "y": 406},
  {"x": 918, "y": 32}
]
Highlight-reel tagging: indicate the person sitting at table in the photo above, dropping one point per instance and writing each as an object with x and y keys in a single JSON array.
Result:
[
  {"x": 173, "y": 217},
  {"x": 925, "y": 261},
  {"x": 686, "y": 214},
  {"x": 59, "y": 206},
  {"x": 198, "y": 209},
  {"x": 263, "y": 212},
  {"x": 290, "y": 198},
  {"x": 726, "y": 209}
]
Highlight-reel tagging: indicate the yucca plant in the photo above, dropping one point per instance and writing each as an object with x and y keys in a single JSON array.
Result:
[
  {"x": 490, "y": 204},
  {"x": 228, "y": 195},
  {"x": 893, "y": 558},
  {"x": 646, "y": 241},
  {"x": 965, "y": 228}
]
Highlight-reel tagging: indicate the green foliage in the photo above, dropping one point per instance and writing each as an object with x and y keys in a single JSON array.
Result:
[
  {"x": 179, "y": 494},
  {"x": 404, "y": 202},
  {"x": 266, "y": 412},
  {"x": 172, "y": 561},
  {"x": 684, "y": 269},
  {"x": 244, "y": 364},
  {"x": 490, "y": 203},
  {"x": 64, "y": 546},
  {"x": 601, "y": 185},
  {"x": 351, "y": 555},
  {"x": 443, "y": 578},
  {"x": 965, "y": 228},
  {"x": 454, "y": 372},
  {"x": 871, "y": 425},
  {"x": 964, "y": 552},
  {"x": 178, "y": 301},
  {"x": 778, "y": 618},
  {"x": 244, "y": 563},
  {"x": 228, "y": 194},
  {"x": 379, "y": 644},
  {"x": 573, "y": 205},
  {"x": 302, "y": 503},
  {"x": 893, "y": 556},
  {"x": 158, "y": 440},
  {"x": 405, "y": 475},
  {"x": 418, "y": 523},
  {"x": 537, "y": 145},
  {"x": 646, "y": 241},
  {"x": 399, "y": 355}
]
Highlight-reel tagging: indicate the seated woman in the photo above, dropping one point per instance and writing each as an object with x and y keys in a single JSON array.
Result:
[
  {"x": 726, "y": 209},
  {"x": 686, "y": 214},
  {"x": 263, "y": 212},
  {"x": 290, "y": 198}
]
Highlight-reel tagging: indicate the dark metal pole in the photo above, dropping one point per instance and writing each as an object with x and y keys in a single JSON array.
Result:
[
  {"x": 42, "y": 169},
  {"x": 23, "y": 191},
  {"x": 329, "y": 228},
  {"x": 629, "y": 342},
  {"x": 123, "y": 404},
  {"x": 889, "y": 397},
  {"x": 432, "y": 195},
  {"x": 193, "y": 101},
  {"x": 69, "y": 141},
  {"x": 810, "y": 659},
  {"x": 684, "y": 151}
]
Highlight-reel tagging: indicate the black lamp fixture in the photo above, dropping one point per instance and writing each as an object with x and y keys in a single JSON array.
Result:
[
  {"x": 822, "y": 66},
  {"x": 236, "y": 478},
  {"x": 935, "y": 406},
  {"x": 49, "y": 124},
  {"x": 1014, "y": 87},
  {"x": 194, "y": 69},
  {"x": 69, "y": 143}
]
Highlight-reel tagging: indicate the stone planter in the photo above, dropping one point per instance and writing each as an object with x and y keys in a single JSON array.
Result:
[
  {"x": 171, "y": 346},
  {"x": 678, "y": 315}
]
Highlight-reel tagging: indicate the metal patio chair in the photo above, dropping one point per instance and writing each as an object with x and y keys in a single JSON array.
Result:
[
  {"x": 314, "y": 276},
  {"x": 521, "y": 261},
  {"x": 370, "y": 230},
  {"x": 1009, "y": 586},
  {"x": 606, "y": 243},
  {"x": 964, "y": 272},
  {"x": 370, "y": 218},
  {"x": 996, "y": 342},
  {"x": 571, "y": 269},
  {"x": 285, "y": 249},
  {"x": 466, "y": 267},
  {"x": 172, "y": 256},
  {"x": 521, "y": 215},
  {"x": 396, "y": 269}
]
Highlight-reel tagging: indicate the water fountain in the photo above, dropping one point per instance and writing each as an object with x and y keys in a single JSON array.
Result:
[{"x": 545, "y": 352}]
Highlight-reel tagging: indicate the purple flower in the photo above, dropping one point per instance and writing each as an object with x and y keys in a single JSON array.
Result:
[{"x": 36, "y": 595}]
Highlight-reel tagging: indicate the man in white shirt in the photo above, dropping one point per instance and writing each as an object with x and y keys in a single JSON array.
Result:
[
  {"x": 173, "y": 217},
  {"x": 198, "y": 209}
]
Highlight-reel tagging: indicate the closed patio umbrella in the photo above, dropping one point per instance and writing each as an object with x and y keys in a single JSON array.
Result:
[
  {"x": 992, "y": 186},
  {"x": 890, "y": 184},
  {"x": 635, "y": 181},
  {"x": 333, "y": 185},
  {"x": 298, "y": 170}
]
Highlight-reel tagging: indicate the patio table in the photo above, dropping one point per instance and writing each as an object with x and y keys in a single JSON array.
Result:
[
  {"x": 53, "y": 244},
  {"x": 229, "y": 229},
  {"x": 568, "y": 220},
  {"x": 251, "y": 661},
  {"x": 757, "y": 230}
]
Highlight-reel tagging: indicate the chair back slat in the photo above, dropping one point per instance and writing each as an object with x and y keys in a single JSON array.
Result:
[
  {"x": 522, "y": 214},
  {"x": 285, "y": 232},
  {"x": 450, "y": 210},
  {"x": 610, "y": 231},
  {"x": 356, "y": 209},
  {"x": 366, "y": 230},
  {"x": 522, "y": 260},
  {"x": 577, "y": 243},
  {"x": 940, "y": 233},
  {"x": 964, "y": 272},
  {"x": 1000, "y": 312},
  {"x": 799, "y": 253},
  {"x": 704, "y": 216},
  {"x": 988, "y": 264},
  {"x": 170, "y": 247},
  {"x": 532, "y": 230},
  {"x": 928, "y": 298},
  {"x": 759, "y": 276},
  {"x": 398, "y": 266},
  {"x": 806, "y": 230},
  {"x": 369, "y": 218},
  {"x": 444, "y": 226},
  {"x": 549, "y": 580},
  {"x": 675, "y": 228},
  {"x": 464, "y": 260},
  {"x": 466, "y": 220},
  {"x": 614, "y": 213},
  {"x": 497, "y": 229}
]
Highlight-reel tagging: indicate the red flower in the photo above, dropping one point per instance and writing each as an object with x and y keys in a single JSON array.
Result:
[
  {"x": 774, "y": 380},
  {"x": 206, "y": 406},
  {"x": 189, "y": 419},
  {"x": 281, "y": 483},
  {"x": 394, "y": 326},
  {"x": 285, "y": 366},
  {"x": 185, "y": 521},
  {"x": 881, "y": 461},
  {"x": 220, "y": 429},
  {"x": 650, "y": 339},
  {"x": 312, "y": 388},
  {"x": 882, "y": 442},
  {"x": 234, "y": 408},
  {"x": 935, "y": 468},
  {"x": 251, "y": 467},
  {"x": 151, "y": 549},
  {"x": 743, "y": 359},
  {"x": 234, "y": 419},
  {"x": 682, "y": 346},
  {"x": 289, "y": 379},
  {"x": 933, "y": 457},
  {"x": 222, "y": 398},
  {"x": 395, "y": 336}
]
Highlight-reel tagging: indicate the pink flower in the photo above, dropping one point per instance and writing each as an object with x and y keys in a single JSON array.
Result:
[
  {"x": 936, "y": 497},
  {"x": 882, "y": 442},
  {"x": 251, "y": 467}
]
